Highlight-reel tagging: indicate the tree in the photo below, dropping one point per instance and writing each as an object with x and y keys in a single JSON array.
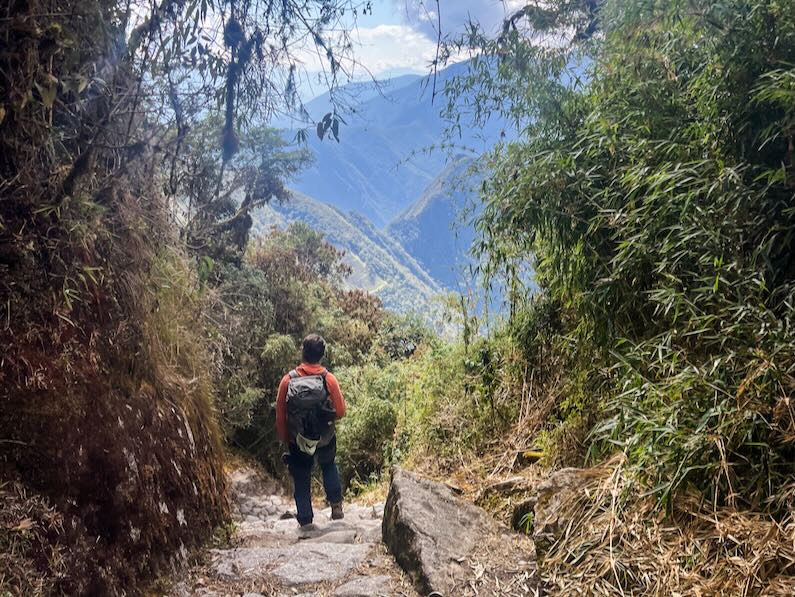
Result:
[
  {"x": 216, "y": 205},
  {"x": 100, "y": 312}
]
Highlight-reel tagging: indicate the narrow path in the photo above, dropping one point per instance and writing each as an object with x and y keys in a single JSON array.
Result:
[{"x": 269, "y": 556}]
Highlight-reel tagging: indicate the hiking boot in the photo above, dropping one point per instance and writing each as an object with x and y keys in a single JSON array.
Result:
[{"x": 336, "y": 511}]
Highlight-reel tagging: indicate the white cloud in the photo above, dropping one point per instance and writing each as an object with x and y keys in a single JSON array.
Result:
[
  {"x": 380, "y": 50},
  {"x": 393, "y": 47},
  {"x": 409, "y": 46},
  {"x": 455, "y": 14}
]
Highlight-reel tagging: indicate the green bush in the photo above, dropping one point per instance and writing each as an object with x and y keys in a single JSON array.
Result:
[
  {"x": 654, "y": 183},
  {"x": 288, "y": 286},
  {"x": 366, "y": 434}
]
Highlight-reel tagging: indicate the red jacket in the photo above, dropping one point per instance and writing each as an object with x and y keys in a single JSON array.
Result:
[{"x": 281, "y": 399}]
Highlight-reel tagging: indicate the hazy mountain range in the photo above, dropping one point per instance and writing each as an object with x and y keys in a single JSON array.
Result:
[
  {"x": 436, "y": 229},
  {"x": 389, "y": 194},
  {"x": 380, "y": 263}
]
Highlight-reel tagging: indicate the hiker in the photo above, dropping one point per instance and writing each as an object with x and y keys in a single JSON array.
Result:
[{"x": 308, "y": 403}]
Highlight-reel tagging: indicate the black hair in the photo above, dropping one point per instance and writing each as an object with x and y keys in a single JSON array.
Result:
[{"x": 313, "y": 348}]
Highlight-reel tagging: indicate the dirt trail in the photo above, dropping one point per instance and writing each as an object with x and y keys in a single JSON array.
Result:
[{"x": 269, "y": 556}]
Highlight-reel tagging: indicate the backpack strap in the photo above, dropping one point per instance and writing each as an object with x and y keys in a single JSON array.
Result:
[{"x": 293, "y": 374}]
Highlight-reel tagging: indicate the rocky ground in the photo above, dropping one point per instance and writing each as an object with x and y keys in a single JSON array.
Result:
[
  {"x": 270, "y": 556},
  {"x": 452, "y": 548}
]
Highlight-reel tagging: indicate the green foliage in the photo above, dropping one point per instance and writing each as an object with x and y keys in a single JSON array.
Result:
[
  {"x": 379, "y": 264},
  {"x": 279, "y": 351},
  {"x": 261, "y": 309},
  {"x": 654, "y": 184},
  {"x": 367, "y": 431},
  {"x": 526, "y": 523},
  {"x": 219, "y": 195},
  {"x": 431, "y": 407},
  {"x": 401, "y": 335}
]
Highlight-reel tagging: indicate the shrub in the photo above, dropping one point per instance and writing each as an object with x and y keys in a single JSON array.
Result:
[
  {"x": 374, "y": 395},
  {"x": 654, "y": 184}
]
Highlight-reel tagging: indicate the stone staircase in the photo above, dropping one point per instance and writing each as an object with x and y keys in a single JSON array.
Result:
[{"x": 270, "y": 556}]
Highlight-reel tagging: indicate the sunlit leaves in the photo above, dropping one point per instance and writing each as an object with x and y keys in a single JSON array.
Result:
[{"x": 657, "y": 194}]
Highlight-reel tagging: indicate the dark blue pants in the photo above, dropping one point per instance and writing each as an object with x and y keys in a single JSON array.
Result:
[{"x": 300, "y": 467}]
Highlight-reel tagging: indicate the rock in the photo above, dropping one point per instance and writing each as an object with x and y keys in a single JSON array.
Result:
[
  {"x": 319, "y": 562},
  {"x": 371, "y": 535},
  {"x": 298, "y": 564},
  {"x": 510, "y": 485},
  {"x": 434, "y": 536},
  {"x": 347, "y": 537},
  {"x": 243, "y": 563},
  {"x": 549, "y": 520},
  {"x": 364, "y": 586},
  {"x": 500, "y": 498},
  {"x": 258, "y": 501},
  {"x": 429, "y": 531},
  {"x": 319, "y": 529},
  {"x": 287, "y": 526},
  {"x": 243, "y": 481},
  {"x": 248, "y": 531}
]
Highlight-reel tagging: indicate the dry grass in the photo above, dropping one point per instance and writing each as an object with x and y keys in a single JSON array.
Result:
[
  {"x": 29, "y": 560},
  {"x": 619, "y": 543},
  {"x": 110, "y": 414}
]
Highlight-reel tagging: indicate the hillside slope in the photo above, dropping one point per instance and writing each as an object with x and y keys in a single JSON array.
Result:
[
  {"x": 390, "y": 148},
  {"x": 379, "y": 264},
  {"x": 435, "y": 229}
]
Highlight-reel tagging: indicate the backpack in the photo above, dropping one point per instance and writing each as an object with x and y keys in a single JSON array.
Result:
[{"x": 310, "y": 413}]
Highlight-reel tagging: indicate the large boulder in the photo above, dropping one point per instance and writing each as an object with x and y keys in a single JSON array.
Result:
[{"x": 449, "y": 546}]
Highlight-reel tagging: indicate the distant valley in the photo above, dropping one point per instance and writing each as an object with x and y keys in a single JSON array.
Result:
[
  {"x": 380, "y": 264},
  {"x": 436, "y": 229},
  {"x": 389, "y": 194}
]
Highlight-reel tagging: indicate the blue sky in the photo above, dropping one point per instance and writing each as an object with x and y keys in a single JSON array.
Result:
[{"x": 400, "y": 36}]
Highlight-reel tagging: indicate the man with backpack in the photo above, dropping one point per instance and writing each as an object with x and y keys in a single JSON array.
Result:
[{"x": 308, "y": 404}]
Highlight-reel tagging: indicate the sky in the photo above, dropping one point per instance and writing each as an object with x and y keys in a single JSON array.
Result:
[{"x": 399, "y": 37}]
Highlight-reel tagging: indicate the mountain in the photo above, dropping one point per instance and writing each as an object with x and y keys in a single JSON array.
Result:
[
  {"x": 390, "y": 148},
  {"x": 393, "y": 192},
  {"x": 353, "y": 94},
  {"x": 379, "y": 264},
  {"x": 435, "y": 229}
]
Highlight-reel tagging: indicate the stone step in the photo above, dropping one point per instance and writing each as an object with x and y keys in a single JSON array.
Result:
[{"x": 301, "y": 563}]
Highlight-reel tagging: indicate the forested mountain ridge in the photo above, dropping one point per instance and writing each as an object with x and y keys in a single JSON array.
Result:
[
  {"x": 436, "y": 229},
  {"x": 379, "y": 264}
]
